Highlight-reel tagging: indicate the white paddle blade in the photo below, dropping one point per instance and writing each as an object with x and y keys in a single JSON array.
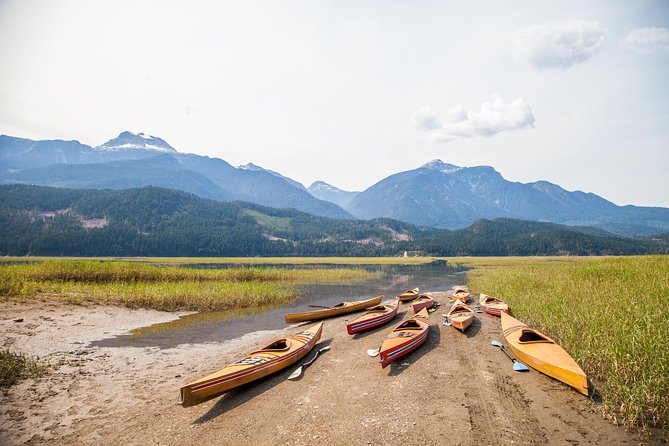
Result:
[
  {"x": 373, "y": 352},
  {"x": 520, "y": 367},
  {"x": 296, "y": 373}
]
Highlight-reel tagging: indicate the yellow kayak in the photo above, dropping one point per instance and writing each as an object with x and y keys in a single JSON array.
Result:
[{"x": 543, "y": 354}]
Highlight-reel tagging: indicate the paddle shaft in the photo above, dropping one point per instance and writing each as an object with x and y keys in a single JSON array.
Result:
[
  {"x": 507, "y": 354},
  {"x": 318, "y": 352}
]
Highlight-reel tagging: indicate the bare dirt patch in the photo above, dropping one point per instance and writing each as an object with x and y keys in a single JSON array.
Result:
[{"x": 455, "y": 390}]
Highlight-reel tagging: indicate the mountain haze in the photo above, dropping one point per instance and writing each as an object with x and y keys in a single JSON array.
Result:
[
  {"x": 437, "y": 194},
  {"x": 327, "y": 192},
  {"x": 442, "y": 195},
  {"x": 135, "y": 160}
]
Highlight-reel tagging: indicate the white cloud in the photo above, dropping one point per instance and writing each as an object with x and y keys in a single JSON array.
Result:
[
  {"x": 494, "y": 117},
  {"x": 648, "y": 40},
  {"x": 559, "y": 46}
]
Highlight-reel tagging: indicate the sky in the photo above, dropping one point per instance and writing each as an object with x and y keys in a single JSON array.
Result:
[{"x": 349, "y": 91}]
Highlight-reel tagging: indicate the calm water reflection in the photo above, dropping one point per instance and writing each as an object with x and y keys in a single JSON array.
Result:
[{"x": 221, "y": 326}]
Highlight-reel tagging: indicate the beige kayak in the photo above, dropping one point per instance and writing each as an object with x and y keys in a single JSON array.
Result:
[
  {"x": 276, "y": 356},
  {"x": 335, "y": 310}
]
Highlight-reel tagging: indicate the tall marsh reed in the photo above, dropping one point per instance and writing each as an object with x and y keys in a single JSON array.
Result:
[
  {"x": 610, "y": 314},
  {"x": 164, "y": 288}
]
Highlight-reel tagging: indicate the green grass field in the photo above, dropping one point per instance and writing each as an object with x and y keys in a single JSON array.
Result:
[{"x": 610, "y": 314}]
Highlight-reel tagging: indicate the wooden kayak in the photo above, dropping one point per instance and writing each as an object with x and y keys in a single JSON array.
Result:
[
  {"x": 374, "y": 317},
  {"x": 460, "y": 316},
  {"x": 405, "y": 338},
  {"x": 276, "y": 356},
  {"x": 409, "y": 295},
  {"x": 423, "y": 301},
  {"x": 543, "y": 354},
  {"x": 461, "y": 293},
  {"x": 493, "y": 305},
  {"x": 335, "y": 310}
]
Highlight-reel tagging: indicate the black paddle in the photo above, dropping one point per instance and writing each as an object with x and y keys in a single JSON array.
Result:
[{"x": 298, "y": 371}]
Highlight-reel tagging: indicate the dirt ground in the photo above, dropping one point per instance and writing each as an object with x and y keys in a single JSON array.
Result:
[{"x": 456, "y": 389}]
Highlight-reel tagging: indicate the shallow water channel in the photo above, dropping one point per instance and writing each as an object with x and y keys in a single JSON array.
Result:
[{"x": 225, "y": 325}]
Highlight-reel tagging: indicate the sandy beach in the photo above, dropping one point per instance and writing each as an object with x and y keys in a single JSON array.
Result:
[{"x": 457, "y": 389}]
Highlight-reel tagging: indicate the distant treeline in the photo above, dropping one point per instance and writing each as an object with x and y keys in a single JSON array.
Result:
[{"x": 152, "y": 221}]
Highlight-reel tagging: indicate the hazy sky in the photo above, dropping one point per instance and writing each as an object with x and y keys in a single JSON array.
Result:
[{"x": 349, "y": 92}]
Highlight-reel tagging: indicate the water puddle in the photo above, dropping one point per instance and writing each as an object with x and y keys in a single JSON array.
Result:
[{"x": 225, "y": 325}]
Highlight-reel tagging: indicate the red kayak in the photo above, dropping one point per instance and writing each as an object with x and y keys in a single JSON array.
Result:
[
  {"x": 374, "y": 317},
  {"x": 423, "y": 301},
  {"x": 405, "y": 338}
]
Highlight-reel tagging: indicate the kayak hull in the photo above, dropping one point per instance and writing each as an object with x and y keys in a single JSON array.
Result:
[
  {"x": 422, "y": 301},
  {"x": 335, "y": 310},
  {"x": 409, "y": 295},
  {"x": 373, "y": 318},
  {"x": 460, "y": 316},
  {"x": 277, "y": 356}
]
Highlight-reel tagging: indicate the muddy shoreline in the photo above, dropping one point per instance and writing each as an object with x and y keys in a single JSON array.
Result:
[{"x": 454, "y": 390}]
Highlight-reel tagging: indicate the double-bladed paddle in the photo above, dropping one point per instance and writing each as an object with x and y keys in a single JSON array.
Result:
[
  {"x": 517, "y": 365},
  {"x": 298, "y": 371}
]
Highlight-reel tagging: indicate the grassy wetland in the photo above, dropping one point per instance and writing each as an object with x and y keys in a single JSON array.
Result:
[
  {"x": 166, "y": 288},
  {"x": 610, "y": 314}
]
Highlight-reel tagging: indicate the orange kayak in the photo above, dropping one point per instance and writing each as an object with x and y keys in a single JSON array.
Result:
[
  {"x": 543, "y": 354},
  {"x": 423, "y": 301},
  {"x": 461, "y": 293},
  {"x": 493, "y": 305},
  {"x": 460, "y": 316},
  {"x": 405, "y": 338},
  {"x": 276, "y": 356}
]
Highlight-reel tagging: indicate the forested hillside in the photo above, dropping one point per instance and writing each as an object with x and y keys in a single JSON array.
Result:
[{"x": 151, "y": 221}]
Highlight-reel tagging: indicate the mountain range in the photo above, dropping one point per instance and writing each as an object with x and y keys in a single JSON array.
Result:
[
  {"x": 437, "y": 194},
  {"x": 135, "y": 160}
]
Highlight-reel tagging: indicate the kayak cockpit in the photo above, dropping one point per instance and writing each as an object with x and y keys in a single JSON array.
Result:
[
  {"x": 410, "y": 324},
  {"x": 277, "y": 346},
  {"x": 382, "y": 308},
  {"x": 530, "y": 336}
]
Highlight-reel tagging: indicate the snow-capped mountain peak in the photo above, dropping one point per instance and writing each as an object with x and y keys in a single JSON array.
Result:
[
  {"x": 136, "y": 141},
  {"x": 250, "y": 166},
  {"x": 441, "y": 166}
]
